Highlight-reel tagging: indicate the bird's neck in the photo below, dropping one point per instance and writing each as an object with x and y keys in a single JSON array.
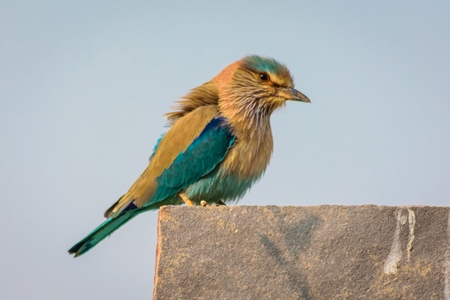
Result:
[{"x": 246, "y": 121}]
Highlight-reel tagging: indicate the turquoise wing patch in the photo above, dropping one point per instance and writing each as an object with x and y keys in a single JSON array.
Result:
[{"x": 199, "y": 159}]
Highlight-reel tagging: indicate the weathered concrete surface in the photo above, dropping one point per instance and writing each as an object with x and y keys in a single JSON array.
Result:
[{"x": 323, "y": 252}]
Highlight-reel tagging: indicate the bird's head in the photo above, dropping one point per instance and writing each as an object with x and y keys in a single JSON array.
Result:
[
  {"x": 254, "y": 87},
  {"x": 248, "y": 90}
]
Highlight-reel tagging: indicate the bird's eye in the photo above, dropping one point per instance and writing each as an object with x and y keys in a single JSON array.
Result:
[{"x": 264, "y": 76}]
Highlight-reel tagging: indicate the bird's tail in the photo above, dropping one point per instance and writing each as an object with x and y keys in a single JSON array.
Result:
[{"x": 105, "y": 229}]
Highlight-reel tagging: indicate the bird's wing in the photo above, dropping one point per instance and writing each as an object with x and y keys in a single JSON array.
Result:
[
  {"x": 191, "y": 148},
  {"x": 200, "y": 158}
]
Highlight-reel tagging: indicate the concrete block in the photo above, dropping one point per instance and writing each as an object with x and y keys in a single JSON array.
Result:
[{"x": 323, "y": 252}]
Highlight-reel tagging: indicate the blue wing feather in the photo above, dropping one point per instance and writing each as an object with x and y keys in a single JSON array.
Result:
[
  {"x": 200, "y": 158},
  {"x": 156, "y": 146}
]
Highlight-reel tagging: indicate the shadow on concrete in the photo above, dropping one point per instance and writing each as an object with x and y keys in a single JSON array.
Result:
[{"x": 287, "y": 253}]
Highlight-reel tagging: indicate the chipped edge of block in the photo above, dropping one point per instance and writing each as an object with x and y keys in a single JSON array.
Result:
[{"x": 161, "y": 211}]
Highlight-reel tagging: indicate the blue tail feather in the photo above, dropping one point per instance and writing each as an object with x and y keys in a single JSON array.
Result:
[{"x": 101, "y": 232}]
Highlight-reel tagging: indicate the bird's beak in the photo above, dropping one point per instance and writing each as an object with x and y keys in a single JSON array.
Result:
[{"x": 292, "y": 94}]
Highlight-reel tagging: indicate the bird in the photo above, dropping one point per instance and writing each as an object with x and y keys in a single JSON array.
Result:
[{"x": 219, "y": 143}]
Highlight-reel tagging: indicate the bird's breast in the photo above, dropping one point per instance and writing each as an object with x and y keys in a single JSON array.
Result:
[
  {"x": 245, "y": 162},
  {"x": 249, "y": 155}
]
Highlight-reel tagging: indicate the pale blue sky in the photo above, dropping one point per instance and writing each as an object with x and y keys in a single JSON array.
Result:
[{"x": 84, "y": 85}]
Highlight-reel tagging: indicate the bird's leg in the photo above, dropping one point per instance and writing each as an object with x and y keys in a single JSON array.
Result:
[{"x": 186, "y": 200}]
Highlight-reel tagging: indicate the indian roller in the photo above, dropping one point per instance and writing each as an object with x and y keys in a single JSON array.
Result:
[{"x": 218, "y": 144}]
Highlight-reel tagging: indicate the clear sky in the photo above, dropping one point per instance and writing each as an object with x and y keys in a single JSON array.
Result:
[{"x": 84, "y": 85}]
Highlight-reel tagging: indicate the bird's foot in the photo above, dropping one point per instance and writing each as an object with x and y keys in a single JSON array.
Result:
[
  {"x": 186, "y": 200},
  {"x": 203, "y": 203},
  {"x": 221, "y": 203}
]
